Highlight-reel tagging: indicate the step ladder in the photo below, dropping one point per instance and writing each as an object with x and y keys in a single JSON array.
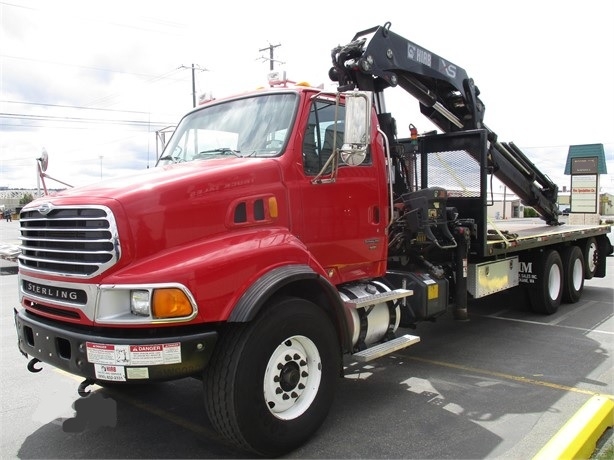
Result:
[
  {"x": 385, "y": 348},
  {"x": 379, "y": 298},
  {"x": 379, "y": 350}
]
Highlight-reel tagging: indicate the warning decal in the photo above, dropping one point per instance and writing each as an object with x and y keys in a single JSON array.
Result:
[
  {"x": 107, "y": 372},
  {"x": 134, "y": 355}
]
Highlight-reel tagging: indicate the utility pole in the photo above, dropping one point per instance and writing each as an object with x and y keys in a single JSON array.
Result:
[
  {"x": 270, "y": 58},
  {"x": 193, "y": 88},
  {"x": 193, "y": 67}
]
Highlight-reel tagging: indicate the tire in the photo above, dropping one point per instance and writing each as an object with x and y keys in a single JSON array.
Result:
[
  {"x": 573, "y": 273},
  {"x": 271, "y": 382},
  {"x": 591, "y": 257},
  {"x": 546, "y": 294}
]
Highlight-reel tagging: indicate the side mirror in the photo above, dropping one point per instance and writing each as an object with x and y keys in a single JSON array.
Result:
[
  {"x": 43, "y": 160},
  {"x": 357, "y": 134}
]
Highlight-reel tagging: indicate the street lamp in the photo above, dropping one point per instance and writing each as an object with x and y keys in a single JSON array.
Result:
[{"x": 101, "y": 157}]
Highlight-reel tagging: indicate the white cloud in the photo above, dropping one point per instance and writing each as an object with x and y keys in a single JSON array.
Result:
[{"x": 543, "y": 69}]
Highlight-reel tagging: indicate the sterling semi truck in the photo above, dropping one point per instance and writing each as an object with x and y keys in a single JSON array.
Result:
[{"x": 286, "y": 230}]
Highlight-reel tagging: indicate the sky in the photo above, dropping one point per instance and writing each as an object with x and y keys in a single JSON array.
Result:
[{"x": 91, "y": 82}]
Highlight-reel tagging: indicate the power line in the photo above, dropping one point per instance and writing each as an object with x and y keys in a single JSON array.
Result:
[
  {"x": 97, "y": 69},
  {"x": 23, "y": 117},
  {"x": 153, "y": 79},
  {"x": 150, "y": 79},
  {"x": 42, "y": 104},
  {"x": 558, "y": 146},
  {"x": 32, "y": 126}
]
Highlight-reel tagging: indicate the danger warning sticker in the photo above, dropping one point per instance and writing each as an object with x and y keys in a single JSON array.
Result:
[{"x": 134, "y": 355}]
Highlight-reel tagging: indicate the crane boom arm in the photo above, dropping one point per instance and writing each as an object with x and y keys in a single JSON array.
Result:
[{"x": 377, "y": 59}]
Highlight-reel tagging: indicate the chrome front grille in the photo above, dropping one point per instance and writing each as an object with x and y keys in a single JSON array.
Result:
[{"x": 68, "y": 241}]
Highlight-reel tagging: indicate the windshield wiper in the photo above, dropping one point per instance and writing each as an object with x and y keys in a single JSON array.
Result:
[
  {"x": 170, "y": 158},
  {"x": 221, "y": 150}
]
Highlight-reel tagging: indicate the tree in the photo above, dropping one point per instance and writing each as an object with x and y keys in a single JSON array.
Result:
[
  {"x": 25, "y": 199},
  {"x": 530, "y": 212}
]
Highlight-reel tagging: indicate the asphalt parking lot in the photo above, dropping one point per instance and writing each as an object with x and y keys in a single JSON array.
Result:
[{"x": 497, "y": 386}]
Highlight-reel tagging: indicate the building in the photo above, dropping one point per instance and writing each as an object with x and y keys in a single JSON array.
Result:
[
  {"x": 12, "y": 198},
  {"x": 606, "y": 204}
]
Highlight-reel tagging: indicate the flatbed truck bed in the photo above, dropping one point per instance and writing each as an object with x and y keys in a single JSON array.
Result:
[{"x": 508, "y": 236}]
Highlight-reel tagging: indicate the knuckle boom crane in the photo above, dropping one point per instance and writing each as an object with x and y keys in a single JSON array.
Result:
[{"x": 377, "y": 59}]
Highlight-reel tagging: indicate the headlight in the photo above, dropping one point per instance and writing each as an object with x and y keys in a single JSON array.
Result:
[
  {"x": 144, "y": 304},
  {"x": 139, "y": 303}
]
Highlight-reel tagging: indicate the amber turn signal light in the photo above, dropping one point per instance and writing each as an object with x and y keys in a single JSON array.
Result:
[{"x": 170, "y": 303}]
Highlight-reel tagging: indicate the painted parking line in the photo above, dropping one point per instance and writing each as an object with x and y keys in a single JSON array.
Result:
[
  {"x": 502, "y": 375},
  {"x": 538, "y": 323},
  {"x": 579, "y": 435},
  {"x": 152, "y": 409},
  {"x": 166, "y": 415}
]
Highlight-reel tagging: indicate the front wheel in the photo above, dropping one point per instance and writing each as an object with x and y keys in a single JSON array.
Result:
[{"x": 271, "y": 383}]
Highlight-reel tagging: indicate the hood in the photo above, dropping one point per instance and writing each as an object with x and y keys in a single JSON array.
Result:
[
  {"x": 169, "y": 206},
  {"x": 159, "y": 178}
]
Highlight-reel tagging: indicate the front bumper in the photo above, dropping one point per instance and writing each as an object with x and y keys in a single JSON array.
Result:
[{"x": 117, "y": 358}]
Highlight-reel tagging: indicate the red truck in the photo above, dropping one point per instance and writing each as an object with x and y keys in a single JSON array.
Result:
[{"x": 285, "y": 230}]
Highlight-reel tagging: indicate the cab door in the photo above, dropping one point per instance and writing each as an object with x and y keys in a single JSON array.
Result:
[{"x": 343, "y": 215}]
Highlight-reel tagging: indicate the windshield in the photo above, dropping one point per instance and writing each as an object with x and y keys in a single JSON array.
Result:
[{"x": 251, "y": 127}]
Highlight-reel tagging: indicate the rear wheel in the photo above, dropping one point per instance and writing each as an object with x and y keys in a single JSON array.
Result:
[
  {"x": 573, "y": 273},
  {"x": 591, "y": 257},
  {"x": 271, "y": 383},
  {"x": 546, "y": 294}
]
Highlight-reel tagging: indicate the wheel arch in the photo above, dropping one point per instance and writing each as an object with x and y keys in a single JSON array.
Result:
[{"x": 297, "y": 281}]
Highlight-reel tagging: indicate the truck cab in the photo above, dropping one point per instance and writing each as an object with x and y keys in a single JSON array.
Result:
[
  {"x": 250, "y": 212},
  {"x": 278, "y": 144}
]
